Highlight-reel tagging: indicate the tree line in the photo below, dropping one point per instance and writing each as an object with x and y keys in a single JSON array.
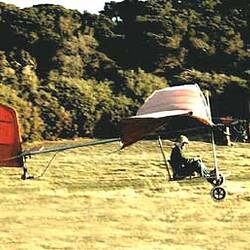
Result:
[{"x": 74, "y": 74}]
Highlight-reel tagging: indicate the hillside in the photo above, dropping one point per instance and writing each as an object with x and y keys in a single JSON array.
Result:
[{"x": 71, "y": 74}]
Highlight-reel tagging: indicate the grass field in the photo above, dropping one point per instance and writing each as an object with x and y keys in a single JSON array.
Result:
[{"x": 96, "y": 198}]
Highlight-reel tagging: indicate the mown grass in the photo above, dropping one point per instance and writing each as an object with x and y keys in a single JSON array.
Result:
[{"x": 98, "y": 198}]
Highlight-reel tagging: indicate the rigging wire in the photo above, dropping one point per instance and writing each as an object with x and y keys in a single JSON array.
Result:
[
  {"x": 47, "y": 167},
  {"x": 53, "y": 157}
]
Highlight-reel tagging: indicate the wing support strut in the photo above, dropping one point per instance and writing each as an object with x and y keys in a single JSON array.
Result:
[
  {"x": 164, "y": 157},
  {"x": 213, "y": 141}
]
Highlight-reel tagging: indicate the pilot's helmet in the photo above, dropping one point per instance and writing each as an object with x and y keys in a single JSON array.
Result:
[{"x": 183, "y": 139}]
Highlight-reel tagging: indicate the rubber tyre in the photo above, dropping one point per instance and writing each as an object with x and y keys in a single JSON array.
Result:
[{"x": 218, "y": 193}]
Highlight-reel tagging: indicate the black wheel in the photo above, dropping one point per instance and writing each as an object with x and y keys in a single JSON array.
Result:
[
  {"x": 218, "y": 193},
  {"x": 217, "y": 182}
]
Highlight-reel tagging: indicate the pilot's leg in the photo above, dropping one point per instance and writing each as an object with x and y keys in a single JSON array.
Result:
[{"x": 200, "y": 168}]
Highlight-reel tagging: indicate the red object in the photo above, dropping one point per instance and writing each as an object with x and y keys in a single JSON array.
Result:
[
  {"x": 10, "y": 140},
  {"x": 179, "y": 105}
]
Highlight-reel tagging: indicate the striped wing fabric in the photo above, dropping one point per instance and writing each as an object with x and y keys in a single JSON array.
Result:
[{"x": 165, "y": 105}]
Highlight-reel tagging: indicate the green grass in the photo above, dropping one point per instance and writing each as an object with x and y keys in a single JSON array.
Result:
[{"x": 96, "y": 198}]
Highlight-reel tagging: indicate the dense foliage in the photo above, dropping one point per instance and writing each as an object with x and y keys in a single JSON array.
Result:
[{"x": 76, "y": 74}]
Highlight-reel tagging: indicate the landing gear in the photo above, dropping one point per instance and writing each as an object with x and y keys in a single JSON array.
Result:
[
  {"x": 217, "y": 182},
  {"x": 25, "y": 174},
  {"x": 218, "y": 193}
]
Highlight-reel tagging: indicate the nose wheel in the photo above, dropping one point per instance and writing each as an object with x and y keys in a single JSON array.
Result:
[
  {"x": 218, "y": 193},
  {"x": 219, "y": 181}
]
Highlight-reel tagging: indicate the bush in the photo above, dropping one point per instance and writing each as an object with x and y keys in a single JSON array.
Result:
[{"x": 31, "y": 125}]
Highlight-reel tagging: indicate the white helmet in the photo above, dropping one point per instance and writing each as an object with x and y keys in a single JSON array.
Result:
[{"x": 183, "y": 139}]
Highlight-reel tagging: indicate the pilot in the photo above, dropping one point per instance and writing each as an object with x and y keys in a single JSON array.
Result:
[{"x": 182, "y": 166}]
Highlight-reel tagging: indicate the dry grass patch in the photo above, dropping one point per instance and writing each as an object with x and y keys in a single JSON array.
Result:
[{"x": 96, "y": 198}]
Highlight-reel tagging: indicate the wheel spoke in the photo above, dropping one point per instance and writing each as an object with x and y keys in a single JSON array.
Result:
[{"x": 218, "y": 193}]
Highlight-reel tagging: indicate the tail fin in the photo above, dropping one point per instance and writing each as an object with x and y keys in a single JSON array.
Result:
[{"x": 10, "y": 140}]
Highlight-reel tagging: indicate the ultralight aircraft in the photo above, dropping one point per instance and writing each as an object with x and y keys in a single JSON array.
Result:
[{"x": 176, "y": 107}]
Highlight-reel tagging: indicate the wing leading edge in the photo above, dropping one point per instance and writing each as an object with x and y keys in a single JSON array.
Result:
[{"x": 173, "y": 104}]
